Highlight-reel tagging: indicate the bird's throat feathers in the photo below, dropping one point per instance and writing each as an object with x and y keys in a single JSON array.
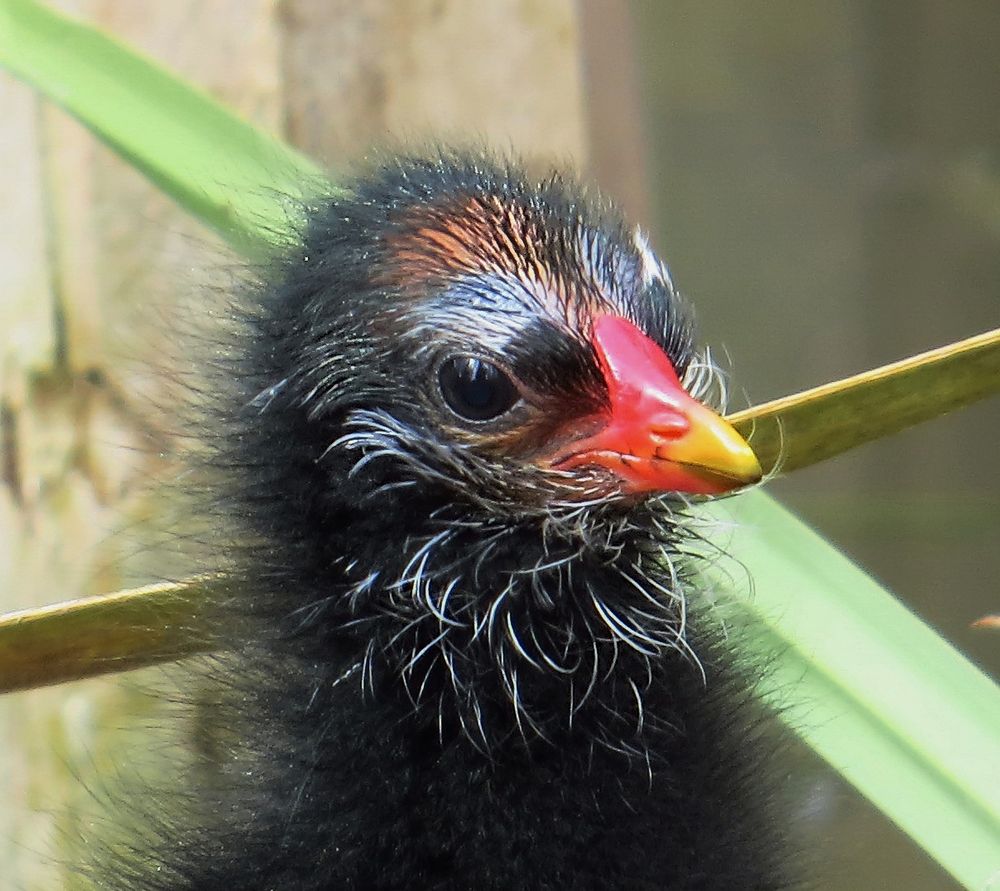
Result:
[{"x": 526, "y": 630}]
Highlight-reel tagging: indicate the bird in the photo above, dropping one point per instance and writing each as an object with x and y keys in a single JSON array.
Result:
[{"x": 455, "y": 444}]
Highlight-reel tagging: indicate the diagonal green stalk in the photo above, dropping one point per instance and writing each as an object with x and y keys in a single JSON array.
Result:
[
  {"x": 806, "y": 428},
  {"x": 877, "y": 694},
  {"x": 886, "y": 701},
  {"x": 103, "y": 634}
]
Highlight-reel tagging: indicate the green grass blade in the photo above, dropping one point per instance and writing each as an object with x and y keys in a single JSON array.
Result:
[
  {"x": 225, "y": 172},
  {"x": 809, "y": 427},
  {"x": 888, "y": 703},
  {"x": 99, "y": 635}
]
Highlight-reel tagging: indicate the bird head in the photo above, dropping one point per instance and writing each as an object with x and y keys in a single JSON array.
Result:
[
  {"x": 470, "y": 424},
  {"x": 507, "y": 344}
]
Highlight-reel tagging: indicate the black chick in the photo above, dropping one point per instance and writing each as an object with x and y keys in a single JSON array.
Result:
[{"x": 458, "y": 447}]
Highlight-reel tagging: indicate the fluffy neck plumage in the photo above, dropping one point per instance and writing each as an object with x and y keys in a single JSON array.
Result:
[{"x": 502, "y": 629}]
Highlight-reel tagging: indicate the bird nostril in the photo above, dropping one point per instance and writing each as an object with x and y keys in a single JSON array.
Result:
[{"x": 669, "y": 428}]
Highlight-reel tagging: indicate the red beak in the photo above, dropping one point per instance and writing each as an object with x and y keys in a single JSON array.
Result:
[{"x": 657, "y": 438}]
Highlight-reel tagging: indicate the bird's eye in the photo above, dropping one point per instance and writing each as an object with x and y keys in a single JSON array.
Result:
[{"x": 475, "y": 389}]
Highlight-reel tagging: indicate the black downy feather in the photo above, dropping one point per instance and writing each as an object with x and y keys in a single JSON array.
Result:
[{"x": 447, "y": 668}]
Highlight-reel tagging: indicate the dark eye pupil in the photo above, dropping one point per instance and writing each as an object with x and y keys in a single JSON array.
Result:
[{"x": 475, "y": 389}]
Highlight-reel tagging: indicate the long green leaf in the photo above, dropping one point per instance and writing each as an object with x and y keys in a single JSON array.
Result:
[
  {"x": 103, "y": 634},
  {"x": 873, "y": 691},
  {"x": 893, "y": 707},
  {"x": 225, "y": 172},
  {"x": 809, "y": 427}
]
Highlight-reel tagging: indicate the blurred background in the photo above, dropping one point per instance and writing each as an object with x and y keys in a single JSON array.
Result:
[{"x": 824, "y": 180}]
